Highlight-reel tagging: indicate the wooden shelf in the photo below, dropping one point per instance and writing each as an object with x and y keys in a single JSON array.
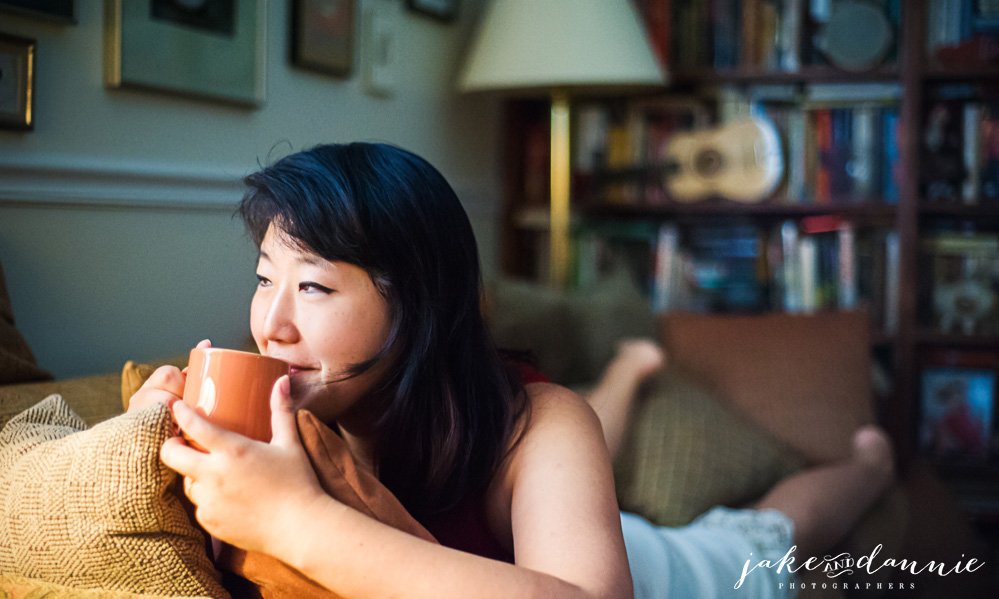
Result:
[
  {"x": 869, "y": 212},
  {"x": 808, "y": 74},
  {"x": 928, "y": 337},
  {"x": 988, "y": 210},
  {"x": 943, "y": 74}
]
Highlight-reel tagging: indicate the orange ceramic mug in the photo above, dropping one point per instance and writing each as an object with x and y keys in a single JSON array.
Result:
[{"x": 232, "y": 389}]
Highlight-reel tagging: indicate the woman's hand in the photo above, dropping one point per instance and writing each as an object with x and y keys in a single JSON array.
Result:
[
  {"x": 250, "y": 494},
  {"x": 165, "y": 385}
]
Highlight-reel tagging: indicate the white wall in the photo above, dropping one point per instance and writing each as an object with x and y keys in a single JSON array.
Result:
[{"x": 115, "y": 212}]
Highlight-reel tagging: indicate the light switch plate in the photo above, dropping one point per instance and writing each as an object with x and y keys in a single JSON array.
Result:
[{"x": 380, "y": 50}]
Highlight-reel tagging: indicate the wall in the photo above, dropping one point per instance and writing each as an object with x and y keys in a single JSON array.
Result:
[{"x": 115, "y": 212}]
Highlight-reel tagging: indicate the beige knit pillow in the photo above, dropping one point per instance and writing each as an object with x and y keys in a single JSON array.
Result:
[
  {"x": 93, "y": 508},
  {"x": 686, "y": 453}
]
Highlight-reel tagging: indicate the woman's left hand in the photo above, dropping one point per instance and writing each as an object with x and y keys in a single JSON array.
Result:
[{"x": 250, "y": 494}]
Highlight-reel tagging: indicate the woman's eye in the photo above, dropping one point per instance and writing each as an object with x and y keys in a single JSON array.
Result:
[
  {"x": 310, "y": 287},
  {"x": 263, "y": 281}
]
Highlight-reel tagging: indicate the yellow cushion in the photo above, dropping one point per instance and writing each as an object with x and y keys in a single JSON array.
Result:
[
  {"x": 133, "y": 376},
  {"x": 95, "y": 508}
]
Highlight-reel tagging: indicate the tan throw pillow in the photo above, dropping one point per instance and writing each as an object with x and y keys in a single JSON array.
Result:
[
  {"x": 93, "y": 508},
  {"x": 258, "y": 575},
  {"x": 686, "y": 453},
  {"x": 19, "y": 587}
]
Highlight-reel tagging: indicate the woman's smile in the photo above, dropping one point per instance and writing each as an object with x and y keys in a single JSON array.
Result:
[{"x": 324, "y": 318}]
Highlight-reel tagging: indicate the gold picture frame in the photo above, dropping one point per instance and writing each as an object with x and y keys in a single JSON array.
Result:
[
  {"x": 216, "y": 51},
  {"x": 17, "y": 82}
]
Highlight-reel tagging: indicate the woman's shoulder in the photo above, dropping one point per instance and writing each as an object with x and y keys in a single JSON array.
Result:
[{"x": 558, "y": 414}]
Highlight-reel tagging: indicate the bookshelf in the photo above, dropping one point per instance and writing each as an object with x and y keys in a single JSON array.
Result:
[{"x": 937, "y": 56}]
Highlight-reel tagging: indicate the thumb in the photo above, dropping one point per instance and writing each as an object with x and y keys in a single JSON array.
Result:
[{"x": 284, "y": 430}]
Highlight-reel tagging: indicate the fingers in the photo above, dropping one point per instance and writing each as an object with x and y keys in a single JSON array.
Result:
[
  {"x": 149, "y": 397},
  {"x": 167, "y": 378},
  {"x": 203, "y": 344},
  {"x": 181, "y": 457},
  {"x": 201, "y": 431},
  {"x": 284, "y": 430}
]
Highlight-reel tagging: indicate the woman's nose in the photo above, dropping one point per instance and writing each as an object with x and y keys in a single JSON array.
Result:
[{"x": 279, "y": 319}]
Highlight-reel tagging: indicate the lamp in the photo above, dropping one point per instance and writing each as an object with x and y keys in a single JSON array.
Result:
[{"x": 552, "y": 47}]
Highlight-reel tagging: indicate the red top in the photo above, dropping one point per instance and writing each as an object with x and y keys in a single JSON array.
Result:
[
  {"x": 529, "y": 375},
  {"x": 465, "y": 527}
]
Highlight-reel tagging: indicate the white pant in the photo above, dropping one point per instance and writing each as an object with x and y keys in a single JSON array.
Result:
[{"x": 705, "y": 559}]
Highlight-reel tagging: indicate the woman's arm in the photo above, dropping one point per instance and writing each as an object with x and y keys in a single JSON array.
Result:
[{"x": 563, "y": 516}]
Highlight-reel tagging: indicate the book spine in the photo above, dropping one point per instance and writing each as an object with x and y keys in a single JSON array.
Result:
[
  {"x": 808, "y": 258},
  {"x": 891, "y": 157},
  {"x": 847, "y": 284},
  {"x": 791, "y": 22},
  {"x": 667, "y": 268},
  {"x": 749, "y": 41},
  {"x": 796, "y": 150},
  {"x": 863, "y": 148},
  {"x": 791, "y": 267},
  {"x": 971, "y": 186},
  {"x": 891, "y": 283}
]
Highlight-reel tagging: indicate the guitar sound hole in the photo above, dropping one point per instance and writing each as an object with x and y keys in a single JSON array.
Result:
[{"x": 708, "y": 163}]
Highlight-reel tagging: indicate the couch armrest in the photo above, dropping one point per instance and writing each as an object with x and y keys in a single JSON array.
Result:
[{"x": 94, "y": 398}]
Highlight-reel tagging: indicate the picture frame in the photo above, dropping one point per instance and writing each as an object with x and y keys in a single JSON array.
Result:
[
  {"x": 60, "y": 11},
  {"x": 17, "y": 82},
  {"x": 212, "y": 52},
  {"x": 958, "y": 412},
  {"x": 322, "y": 36},
  {"x": 442, "y": 10}
]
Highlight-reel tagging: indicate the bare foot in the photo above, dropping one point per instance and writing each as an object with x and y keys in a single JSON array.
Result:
[
  {"x": 873, "y": 448},
  {"x": 644, "y": 356}
]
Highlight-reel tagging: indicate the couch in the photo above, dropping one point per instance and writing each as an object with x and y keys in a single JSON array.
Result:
[{"x": 746, "y": 400}]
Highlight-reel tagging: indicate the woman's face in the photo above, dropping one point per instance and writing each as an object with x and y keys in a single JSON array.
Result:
[{"x": 322, "y": 317}]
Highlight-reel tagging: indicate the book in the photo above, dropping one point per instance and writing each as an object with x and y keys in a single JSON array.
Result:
[
  {"x": 847, "y": 267},
  {"x": 958, "y": 408},
  {"x": 668, "y": 264},
  {"x": 891, "y": 282}
]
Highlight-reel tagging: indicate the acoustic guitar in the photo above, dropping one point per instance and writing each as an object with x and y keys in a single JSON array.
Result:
[{"x": 740, "y": 161}]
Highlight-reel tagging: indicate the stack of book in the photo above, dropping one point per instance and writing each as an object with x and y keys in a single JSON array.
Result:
[
  {"x": 749, "y": 35},
  {"x": 963, "y": 32},
  {"x": 622, "y": 146},
  {"x": 841, "y": 141},
  {"x": 960, "y": 145},
  {"x": 817, "y": 263}
]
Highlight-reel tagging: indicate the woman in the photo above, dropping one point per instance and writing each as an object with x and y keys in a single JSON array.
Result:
[
  {"x": 369, "y": 286},
  {"x": 740, "y": 553}
]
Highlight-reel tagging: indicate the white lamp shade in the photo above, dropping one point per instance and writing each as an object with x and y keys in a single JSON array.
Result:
[{"x": 546, "y": 44}]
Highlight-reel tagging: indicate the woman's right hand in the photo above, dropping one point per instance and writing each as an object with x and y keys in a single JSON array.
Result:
[{"x": 165, "y": 385}]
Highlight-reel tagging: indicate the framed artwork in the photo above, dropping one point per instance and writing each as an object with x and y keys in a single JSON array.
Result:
[
  {"x": 213, "y": 49},
  {"x": 445, "y": 10},
  {"x": 17, "y": 82},
  {"x": 958, "y": 410},
  {"x": 322, "y": 36},
  {"x": 63, "y": 11}
]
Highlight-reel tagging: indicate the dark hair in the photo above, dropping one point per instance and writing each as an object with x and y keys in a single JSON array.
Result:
[{"x": 449, "y": 403}]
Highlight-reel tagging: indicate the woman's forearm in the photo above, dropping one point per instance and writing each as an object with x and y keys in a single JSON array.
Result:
[{"x": 357, "y": 556}]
